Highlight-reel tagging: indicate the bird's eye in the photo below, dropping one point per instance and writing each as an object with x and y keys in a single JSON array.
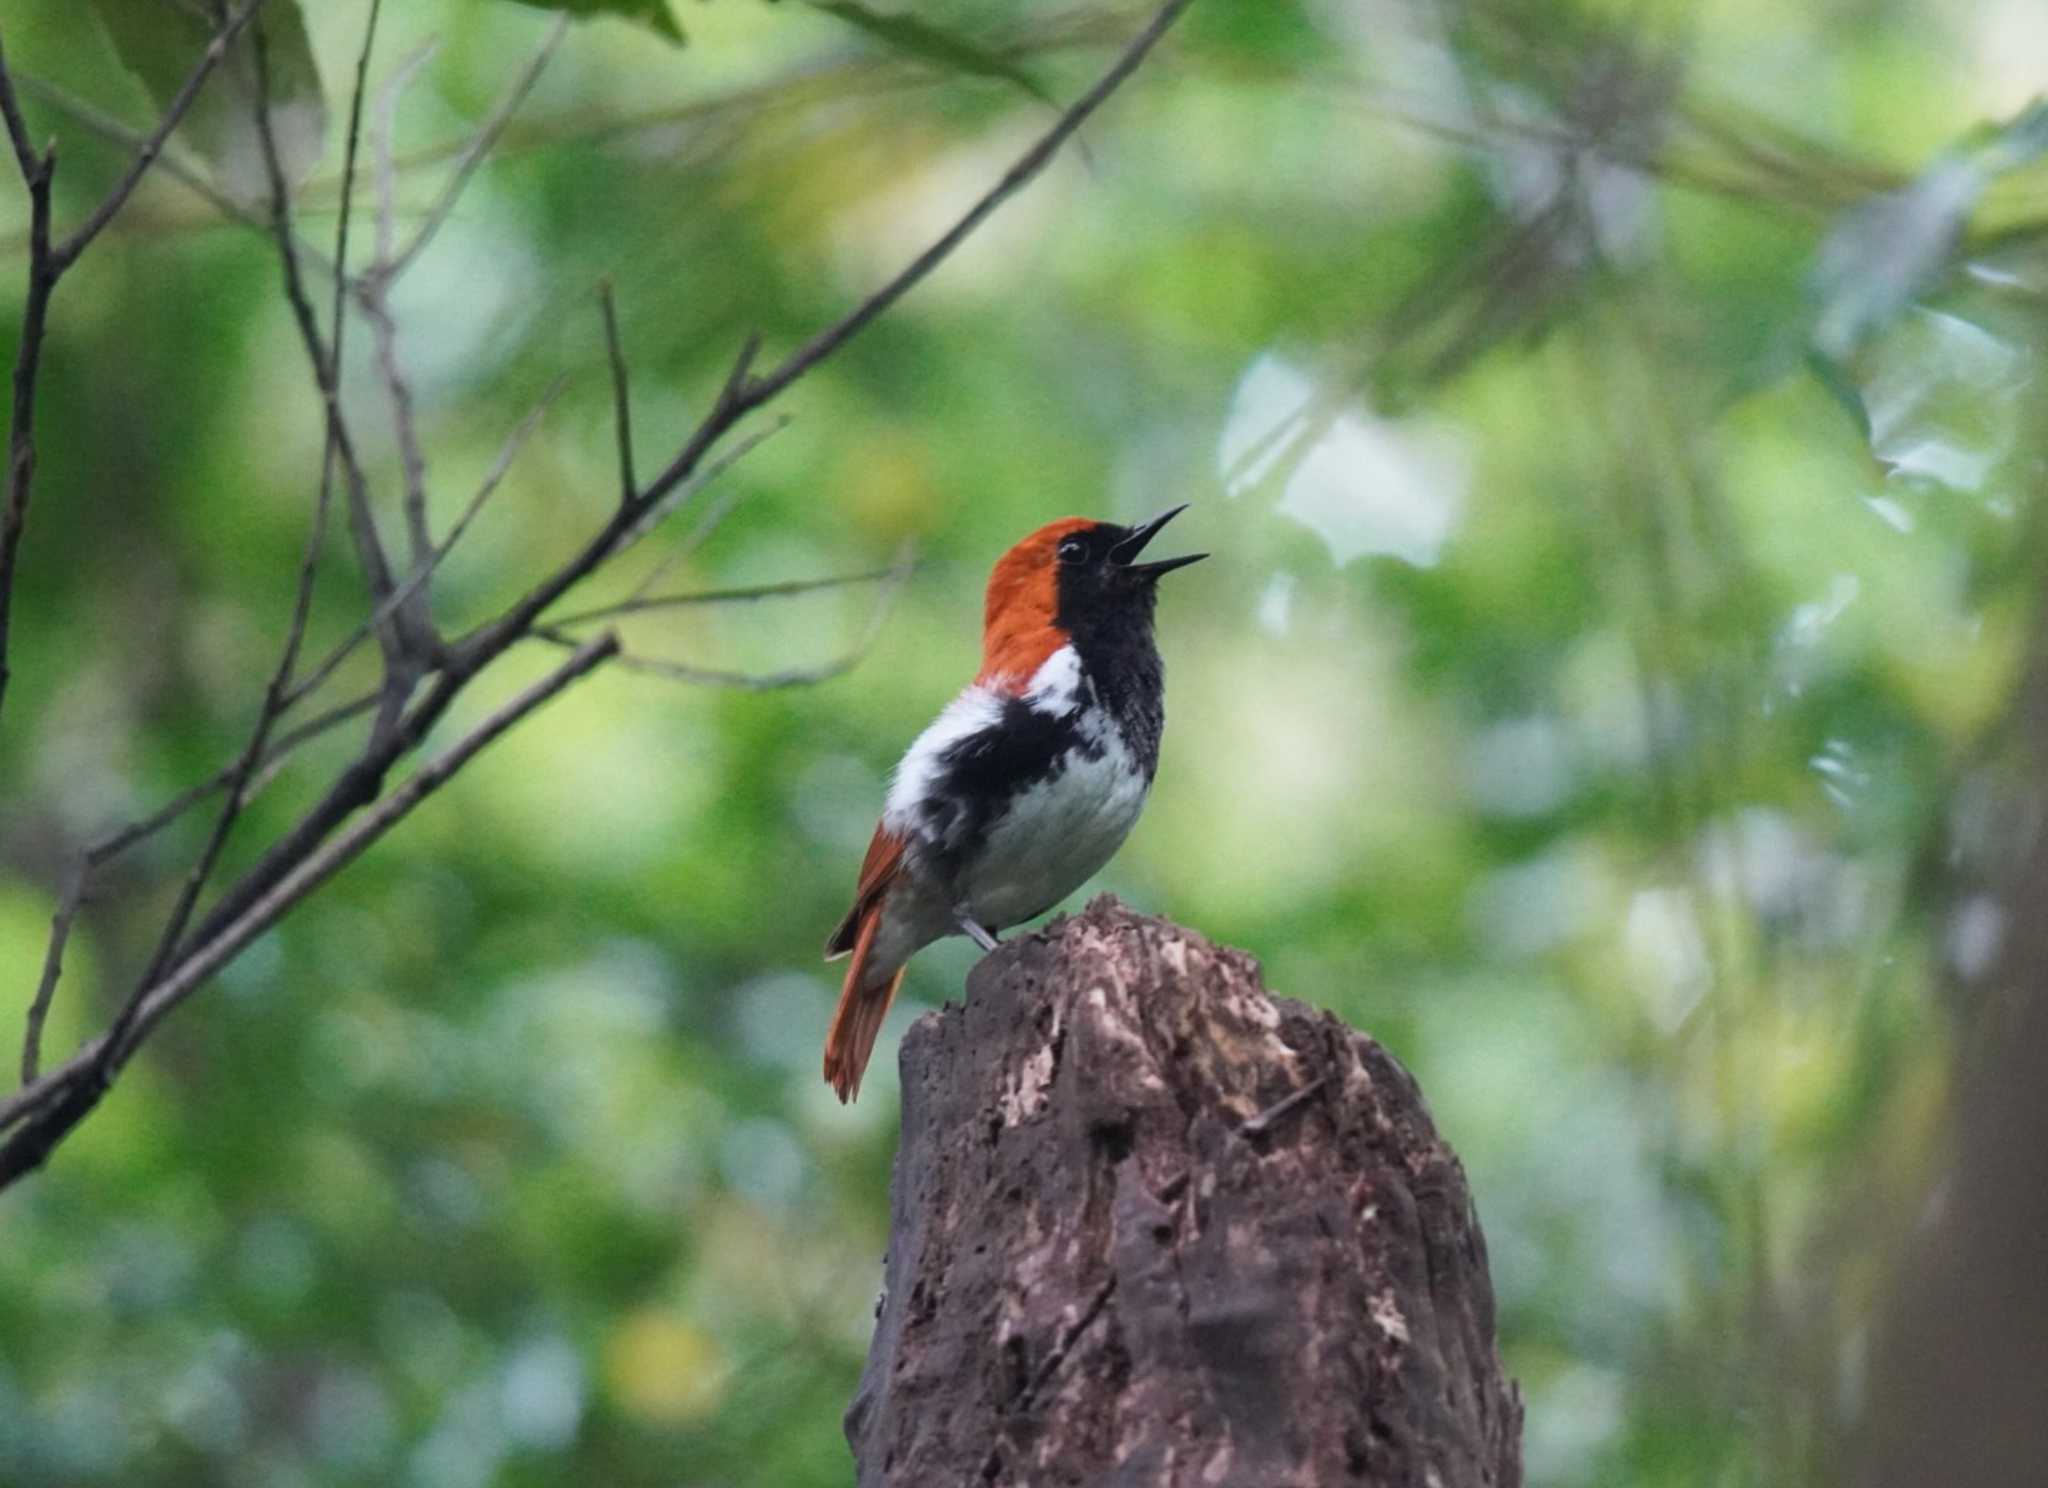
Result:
[{"x": 1073, "y": 550}]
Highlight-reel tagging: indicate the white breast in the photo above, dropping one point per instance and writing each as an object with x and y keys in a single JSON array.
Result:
[
  {"x": 916, "y": 776},
  {"x": 1050, "y": 839},
  {"x": 1058, "y": 832}
]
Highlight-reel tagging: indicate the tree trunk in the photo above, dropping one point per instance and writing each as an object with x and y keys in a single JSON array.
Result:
[
  {"x": 1958, "y": 1373},
  {"x": 1152, "y": 1226}
]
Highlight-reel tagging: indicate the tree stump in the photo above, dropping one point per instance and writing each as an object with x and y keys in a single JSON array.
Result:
[{"x": 1154, "y": 1227}]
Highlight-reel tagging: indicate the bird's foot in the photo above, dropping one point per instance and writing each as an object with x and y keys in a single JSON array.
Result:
[{"x": 977, "y": 932}]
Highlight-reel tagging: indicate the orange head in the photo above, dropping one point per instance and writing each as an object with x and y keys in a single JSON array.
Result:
[{"x": 1072, "y": 574}]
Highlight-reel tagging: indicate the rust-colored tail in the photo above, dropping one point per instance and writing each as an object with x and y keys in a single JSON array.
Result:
[{"x": 862, "y": 1006}]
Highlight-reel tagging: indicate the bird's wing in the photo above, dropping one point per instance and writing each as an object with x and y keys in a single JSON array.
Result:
[{"x": 877, "y": 871}]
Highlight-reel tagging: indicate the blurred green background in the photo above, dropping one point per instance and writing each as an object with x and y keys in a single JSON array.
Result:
[{"x": 1618, "y": 430}]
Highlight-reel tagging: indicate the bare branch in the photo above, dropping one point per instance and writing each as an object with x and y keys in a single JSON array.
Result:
[
  {"x": 56, "y": 1104},
  {"x": 287, "y": 662},
  {"x": 347, "y": 846},
  {"x": 274, "y": 762},
  {"x": 507, "y": 452},
  {"x": 736, "y": 379},
  {"x": 713, "y": 516},
  {"x": 376, "y": 569},
  {"x": 21, "y": 430},
  {"x": 25, "y": 154},
  {"x": 478, "y": 149},
  {"x": 742, "y": 595},
  {"x": 743, "y": 394},
  {"x": 811, "y": 86},
  {"x": 167, "y": 164},
  {"x": 122, "y": 838},
  {"x": 53, "y": 968},
  {"x": 358, "y": 784},
  {"x": 341, "y": 223},
  {"x": 110, "y": 128},
  {"x": 680, "y": 671},
  {"x": 893, "y": 579},
  {"x": 1028, "y": 165},
  {"x": 326, "y": 365},
  {"x": 706, "y": 478},
  {"x": 323, "y": 839},
  {"x": 384, "y": 168},
  {"x": 413, "y": 461},
  {"x": 66, "y": 253},
  {"x": 622, "y": 402},
  {"x": 371, "y": 295},
  {"x": 46, "y": 1087}
]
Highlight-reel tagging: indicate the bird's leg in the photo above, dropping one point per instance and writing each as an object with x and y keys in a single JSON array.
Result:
[{"x": 975, "y": 931}]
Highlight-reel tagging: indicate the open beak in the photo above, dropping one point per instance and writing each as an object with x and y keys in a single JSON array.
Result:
[{"x": 1126, "y": 552}]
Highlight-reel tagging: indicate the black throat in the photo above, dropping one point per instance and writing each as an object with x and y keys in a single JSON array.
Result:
[{"x": 1110, "y": 626}]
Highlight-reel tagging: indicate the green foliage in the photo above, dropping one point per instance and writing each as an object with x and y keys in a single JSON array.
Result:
[
  {"x": 161, "y": 43},
  {"x": 653, "y": 14},
  {"x": 1578, "y": 699}
]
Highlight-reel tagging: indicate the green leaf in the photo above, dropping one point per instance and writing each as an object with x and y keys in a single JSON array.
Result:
[
  {"x": 1840, "y": 386},
  {"x": 1885, "y": 252},
  {"x": 653, "y": 14},
  {"x": 928, "y": 43},
  {"x": 161, "y": 43},
  {"x": 2019, "y": 143}
]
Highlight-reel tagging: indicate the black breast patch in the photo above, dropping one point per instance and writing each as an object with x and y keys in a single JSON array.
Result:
[{"x": 979, "y": 776}]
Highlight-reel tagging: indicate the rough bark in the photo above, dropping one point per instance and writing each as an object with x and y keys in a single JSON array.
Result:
[{"x": 1153, "y": 1226}]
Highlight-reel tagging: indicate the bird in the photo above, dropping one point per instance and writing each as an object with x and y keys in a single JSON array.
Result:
[{"x": 1027, "y": 782}]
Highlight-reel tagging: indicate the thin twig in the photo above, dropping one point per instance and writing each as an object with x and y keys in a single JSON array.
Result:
[
  {"x": 66, "y": 253},
  {"x": 362, "y": 525},
  {"x": 191, "y": 177},
  {"x": 707, "y": 523},
  {"x": 25, "y": 155},
  {"x": 46, "y": 1087},
  {"x": 736, "y": 379},
  {"x": 1014, "y": 179},
  {"x": 807, "y": 88},
  {"x": 479, "y": 147},
  {"x": 622, "y": 401},
  {"x": 703, "y": 480},
  {"x": 493, "y": 477},
  {"x": 740, "y": 595},
  {"x": 323, "y": 839},
  {"x": 384, "y": 167},
  {"x": 743, "y": 394},
  {"x": 121, "y": 839},
  {"x": 810, "y": 87},
  {"x": 53, "y": 968},
  {"x": 341, "y": 222},
  {"x": 109, "y": 128},
  {"x": 21, "y": 432},
  {"x": 78, "y": 1085},
  {"x": 681, "y": 671},
  {"x": 412, "y": 460},
  {"x": 326, "y": 360},
  {"x": 49, "y": 258},
  {"x": 295, "y": 635},
  {"x": 371, "y": 294}
]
